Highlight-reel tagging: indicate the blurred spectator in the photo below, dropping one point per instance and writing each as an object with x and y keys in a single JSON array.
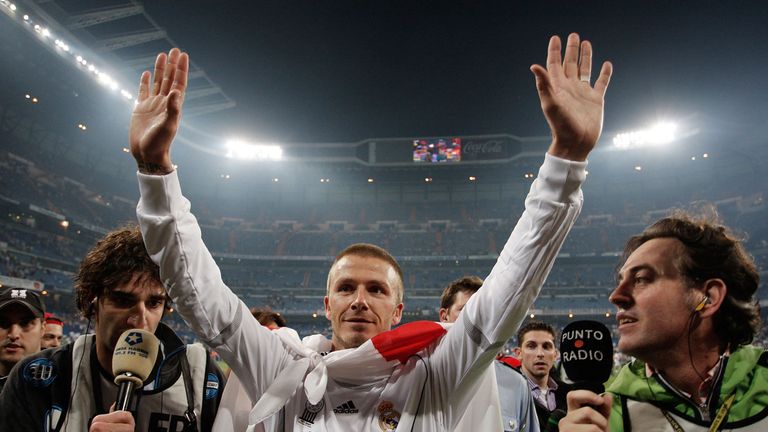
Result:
[
  {"x": 21, "y": 327},
  {"x": 54, "y": 331}
]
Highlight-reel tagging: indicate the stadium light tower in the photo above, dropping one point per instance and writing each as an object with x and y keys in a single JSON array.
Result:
[
  {"x": 237, "y": 149},
  {"x": 658, "y": 134}
]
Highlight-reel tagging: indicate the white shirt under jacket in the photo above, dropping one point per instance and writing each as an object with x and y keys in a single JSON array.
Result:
[{"x": 342, "y": 391}]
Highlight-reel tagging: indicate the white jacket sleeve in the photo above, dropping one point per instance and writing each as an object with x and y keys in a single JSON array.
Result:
[
  {"x": 495, "y": 312},
  {"x": 193, "y": 281}
]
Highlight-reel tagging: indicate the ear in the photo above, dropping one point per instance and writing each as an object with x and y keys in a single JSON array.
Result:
[
  {"x": 716, "y": 290},
  {"x": 444, "y": 315},
  {"x": 327, "y": 308},
  {"x": 517, "y": 351},
  {"x": 398, "y": 315}
]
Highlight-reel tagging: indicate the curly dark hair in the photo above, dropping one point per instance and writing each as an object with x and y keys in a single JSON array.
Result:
[
  {"x": 712, "y": 251},
  {"x": 468, "y": 284},
  {"x": 113, "y": 261}
]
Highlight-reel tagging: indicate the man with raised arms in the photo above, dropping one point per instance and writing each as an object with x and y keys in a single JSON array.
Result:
[{"x": 366, "y": 377}]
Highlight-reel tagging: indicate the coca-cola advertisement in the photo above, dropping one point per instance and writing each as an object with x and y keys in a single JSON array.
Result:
[{"x": 485, "y": 148}]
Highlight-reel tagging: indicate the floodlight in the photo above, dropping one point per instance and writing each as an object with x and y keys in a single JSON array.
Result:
[
  {"x": 46, "y": 32},
  {"x": 237, "y": 149},
  {"x": 660, "y": 133},
  {"x": 13, "y": 7}
]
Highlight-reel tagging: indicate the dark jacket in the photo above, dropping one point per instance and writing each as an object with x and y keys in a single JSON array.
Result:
[{"x": 38, "y": 395}]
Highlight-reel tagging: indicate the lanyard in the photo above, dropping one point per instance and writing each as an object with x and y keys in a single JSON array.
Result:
[{"x": 722, "y": 414}]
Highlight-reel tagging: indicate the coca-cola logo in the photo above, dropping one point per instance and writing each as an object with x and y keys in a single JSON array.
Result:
[{"x": 481, "y": 147}]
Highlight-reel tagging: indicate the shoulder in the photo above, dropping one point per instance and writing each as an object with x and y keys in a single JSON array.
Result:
[{"x": 41, "y": 370}]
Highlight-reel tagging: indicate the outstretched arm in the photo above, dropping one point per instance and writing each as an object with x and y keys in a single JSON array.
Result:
[
  {"x": 173, "y": 238},
  {"x": 574, "y": 110},
  {"x": 572, "y": 106},
  {"x": 156, "y": 116}
]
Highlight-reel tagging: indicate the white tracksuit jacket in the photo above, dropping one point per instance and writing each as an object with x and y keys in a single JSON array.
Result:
[{"x": 430, "y": 392}]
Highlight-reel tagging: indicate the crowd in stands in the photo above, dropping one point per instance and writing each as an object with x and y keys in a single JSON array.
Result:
[{"x": 283, "y": 265}]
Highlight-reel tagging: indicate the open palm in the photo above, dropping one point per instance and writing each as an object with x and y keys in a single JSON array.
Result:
[
  {"x": 573, "y": 108},
  {"x": 156, "y": 116}
]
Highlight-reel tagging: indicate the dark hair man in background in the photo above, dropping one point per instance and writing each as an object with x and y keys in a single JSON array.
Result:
[
  {"x": 54, "y": 331},
  {"x": 515, "y": 401},
  {"x": 687, "y": 313},
  {"x": 268, "y": 318},
  {"x": 537, "y": 352},
  {"x": 21, "y": 327},
  {"x": 118, "y": 287}
]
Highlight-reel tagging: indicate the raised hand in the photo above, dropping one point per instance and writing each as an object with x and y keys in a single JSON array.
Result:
[
  {"x": 573, "y": 107},
  {"x": 156, "y": 116}
]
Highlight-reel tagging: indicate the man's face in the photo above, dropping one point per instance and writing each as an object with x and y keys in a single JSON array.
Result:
[
  {"x": 52, "y": 336},
  {"x": 139, "y": 303},
  {"x": 654, "y": 301},
  {"x": 20, "y": 334},
  {"x": 537, "y": 353},
  {"x": 451, "y": 314},
  {"x": 361, "y": 300}
]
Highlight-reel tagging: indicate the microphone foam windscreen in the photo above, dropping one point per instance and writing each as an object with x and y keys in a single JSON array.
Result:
[
  {"x": 586, "y": 351},
  {"x": 135, "y": 353}
]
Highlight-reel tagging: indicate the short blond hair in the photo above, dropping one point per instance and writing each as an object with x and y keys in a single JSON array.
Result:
[{"x": 371, "y": 250}]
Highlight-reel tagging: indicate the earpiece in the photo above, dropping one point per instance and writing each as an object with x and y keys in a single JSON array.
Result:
[
  {"x": 92, "y": 306},
  {"x": 701, "y": 305}
]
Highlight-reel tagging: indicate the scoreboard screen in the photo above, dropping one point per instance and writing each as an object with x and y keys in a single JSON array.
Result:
[{"x": 437, "y": 150}]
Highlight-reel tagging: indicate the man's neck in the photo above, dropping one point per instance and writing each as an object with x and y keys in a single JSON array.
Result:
[
  {"x": 542, "y": 382},
  {"x": 104, "y": 356},
  {"x": 687, "y": 370}
]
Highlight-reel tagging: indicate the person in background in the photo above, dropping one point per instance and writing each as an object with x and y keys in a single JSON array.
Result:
[
  {"x": 54, "y": 331},
  {"x": 537, "y": 352},
  {"x": 517, "y": 407},
  {"x": 21, "y": 327}
]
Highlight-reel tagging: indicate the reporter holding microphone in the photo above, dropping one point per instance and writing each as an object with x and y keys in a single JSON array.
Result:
[
  {"x": 71, "y": 388},
  {"x": 687, "y": 312}
]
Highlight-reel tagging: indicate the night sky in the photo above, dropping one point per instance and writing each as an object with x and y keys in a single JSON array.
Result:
[{"x": 324, "y": 71}]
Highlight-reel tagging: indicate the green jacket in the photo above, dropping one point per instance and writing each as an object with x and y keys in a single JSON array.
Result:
[{"x": 638, "y": 400}]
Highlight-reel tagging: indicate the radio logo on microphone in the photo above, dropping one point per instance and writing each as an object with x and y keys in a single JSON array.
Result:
[{"x": 133, "y": 338}]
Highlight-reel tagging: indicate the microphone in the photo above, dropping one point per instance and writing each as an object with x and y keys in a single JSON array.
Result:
[
  {"x": 586, "y": 351},
  {"x": 553, "y": 423},
  {"x": 132, "y": 362}
]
